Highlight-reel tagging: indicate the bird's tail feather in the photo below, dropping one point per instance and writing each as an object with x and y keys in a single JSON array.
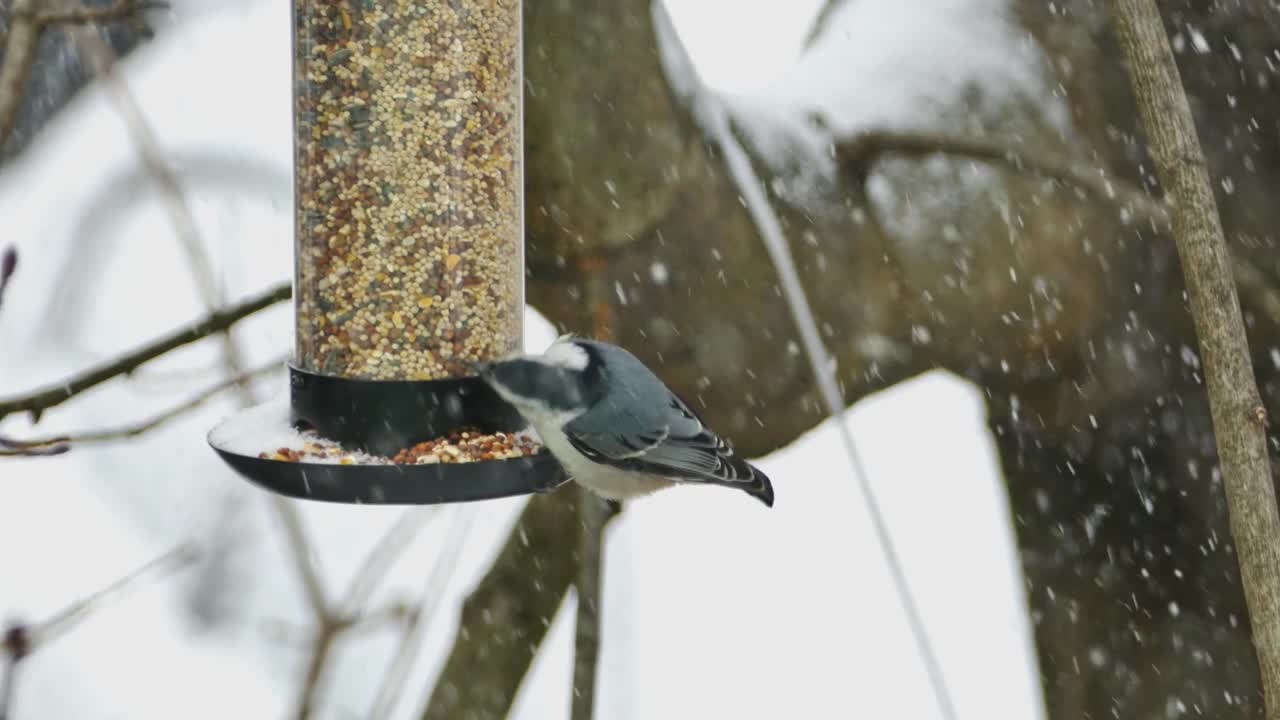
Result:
[{"x": 754, "y": 482}]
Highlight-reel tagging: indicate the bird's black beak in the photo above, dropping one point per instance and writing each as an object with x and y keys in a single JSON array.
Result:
[{"x": 481, "y": 369}]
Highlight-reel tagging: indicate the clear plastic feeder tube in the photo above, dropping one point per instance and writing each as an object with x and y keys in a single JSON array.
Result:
[{"x": 408, "y": 186}]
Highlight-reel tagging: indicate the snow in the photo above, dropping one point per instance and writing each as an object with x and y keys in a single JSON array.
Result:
[
  {"x": 939, "y": 65},
  {"x": 261, "y": 428},
  {"x": 714, "y": 605}
]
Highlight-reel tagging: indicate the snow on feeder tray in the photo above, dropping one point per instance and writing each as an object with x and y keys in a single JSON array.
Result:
[{"x": 409, "y": 257}]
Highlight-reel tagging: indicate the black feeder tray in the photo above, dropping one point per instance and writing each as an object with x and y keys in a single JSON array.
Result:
[{"x": 381, "y": 417}]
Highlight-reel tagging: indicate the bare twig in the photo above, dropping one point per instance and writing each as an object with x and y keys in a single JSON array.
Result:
[
  {"x": 392, "y": 688},
  {"x": 717, "y": 124},
  {"x": 55, "y": 394},
  {"x": 1239, "y": 420},
  {"x": 307, "y": 573},
  {"x": 73, "y": 13},
  {"x": 176, "y": 202},
  {"x": 20, "y": 639},
  {"x": 58, "y": 625},
  {"x": 8, "y": 266},
  {"x": 594, "y": 515},
  {"x": 820, "y": 22},
  {"x": 27, "y": 20},
  {"x": 63, "y": 443},
  {"x": 16, "y": 645},
  {"x": 322, "y": 645},
  {"x": 328, "y": 624},
  {"x": 28, "y": 448},
  {"x": 384, "y": 553},
  {"x": 856, "y": 154},
  {"x": 331, "y": 621}
]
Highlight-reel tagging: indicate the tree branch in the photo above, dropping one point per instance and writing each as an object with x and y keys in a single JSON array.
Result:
[
  {"x": 857, "y": 153},
  {"x": 20, "y": 640},
  {"x": 8, "y": 266},
  {"x": 62, "y": 443},
  {"x": 1234, "y": 401},
  {"x": 77, "y": 14},
  {"x": 103, "y": 60},
  {"x": 389, "y": 547},
  {"x": 820, "y": 22},
  {"x": 57, "y": 393},
  {"x": 446, "y": 562},
  {"x": 595, "y": 515}
]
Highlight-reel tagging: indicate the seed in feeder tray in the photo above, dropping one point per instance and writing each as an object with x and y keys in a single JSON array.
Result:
[
  {"x": 409, "y": 187},
  {"x": 459, "y": 447},
  {"x": 467, "y": 446}
]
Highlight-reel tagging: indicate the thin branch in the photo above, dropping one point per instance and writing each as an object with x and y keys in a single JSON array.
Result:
[
  {"x": 857, "y": 153},
  {"x": 176, "y": 202},
  {"x": 77, "y": 14},
  {"x": 384, "y": 553},
  {"x": 331, "y": 622},
  {"x": 20, "y": 640},
  {"x": 16, "y": 644},
  {"x": 39, "y": 448},
  {"x": 1258, "y": 286},
  {"x": 446, "y": 562},
  {"x": 297, "y": 541},
  {"x": 820, "y": 22},
  {"x": 1239, "y": 417},
  {"x": 717, "y": 124},
  {"x": 57, "y": 393},
  {"x": 326, "y": 635},
  {"x": 595, "y": 514},
  {"x": 63, "y": 443},
  {"x": 8, "y": 266},
  {"x": 63, "y": 622}
]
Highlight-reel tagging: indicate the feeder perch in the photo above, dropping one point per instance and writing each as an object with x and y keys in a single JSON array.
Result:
[{"x": 409, "y": 260}]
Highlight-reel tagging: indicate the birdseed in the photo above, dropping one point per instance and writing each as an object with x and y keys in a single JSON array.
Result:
[
  {"x": 459, "y": 447},
  {"x": 409, "y": 186},
  {"x": 467, "y": 447}
]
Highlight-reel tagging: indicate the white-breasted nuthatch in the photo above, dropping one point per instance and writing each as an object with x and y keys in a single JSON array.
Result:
[{"x": 613, "y": 425}]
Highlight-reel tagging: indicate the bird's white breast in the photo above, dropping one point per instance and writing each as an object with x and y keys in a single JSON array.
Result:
[{"x": 606, "y": 481}]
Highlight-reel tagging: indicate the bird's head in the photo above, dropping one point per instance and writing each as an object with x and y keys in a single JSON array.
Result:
[{"x": 557, "y": 382}]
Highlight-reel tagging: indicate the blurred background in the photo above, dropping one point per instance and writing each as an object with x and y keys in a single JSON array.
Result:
[{"x": 969, "y": 199}]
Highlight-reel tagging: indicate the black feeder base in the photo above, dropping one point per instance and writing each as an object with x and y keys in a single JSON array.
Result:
[{"x": 382, "y": 418}]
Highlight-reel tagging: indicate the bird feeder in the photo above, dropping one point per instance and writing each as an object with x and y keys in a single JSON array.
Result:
[{"x": 409, "y": 262}]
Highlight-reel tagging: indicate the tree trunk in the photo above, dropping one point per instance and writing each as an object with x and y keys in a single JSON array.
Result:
[{"x": 1236, "y": 406}]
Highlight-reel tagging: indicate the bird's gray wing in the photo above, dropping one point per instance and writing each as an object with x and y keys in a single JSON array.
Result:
[{"x": 666, "y": 439}]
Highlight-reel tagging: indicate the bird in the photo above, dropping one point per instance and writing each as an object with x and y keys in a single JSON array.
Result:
[{"x": 613, "y": 425}]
